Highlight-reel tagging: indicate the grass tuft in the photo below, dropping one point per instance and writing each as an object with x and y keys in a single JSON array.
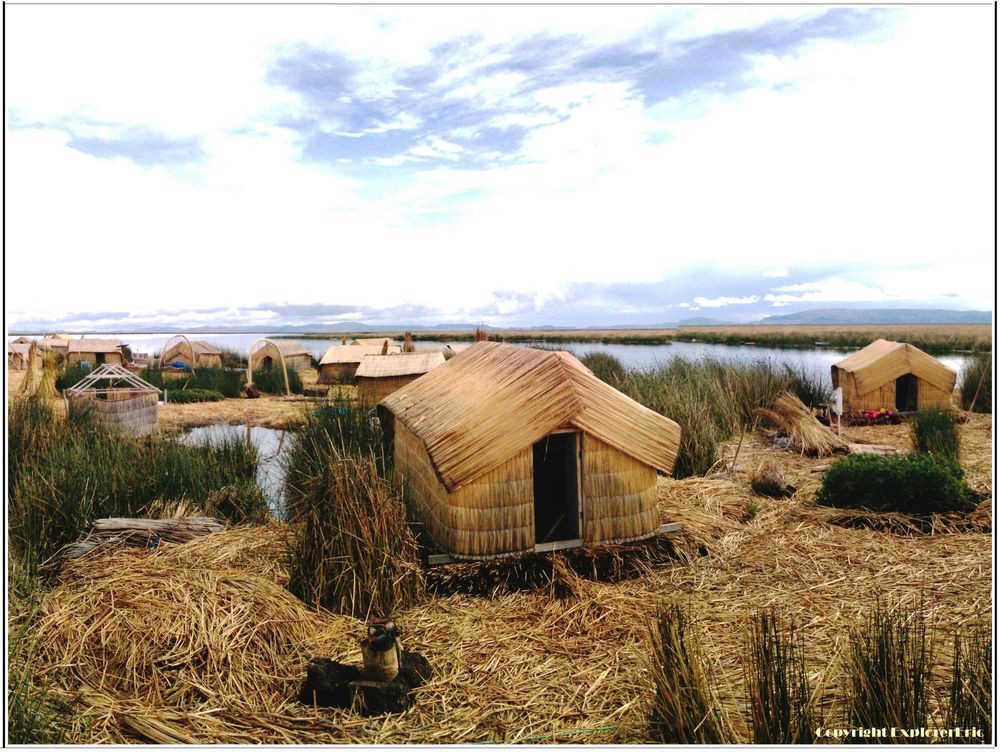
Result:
[
  {"x": 935, "y": 432},
  {"x": 778, "y": 692},
  {"x": 887, "y": 670},
  {"x": 685, "y": 709},
  {"x": 971, "y": 697},
  {"x": 977, "y": 383}
]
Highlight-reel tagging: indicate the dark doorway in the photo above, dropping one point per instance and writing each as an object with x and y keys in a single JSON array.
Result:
[
  {"x": 266, "y": 362},
  {"x": 906, "y": 393},
  {"x": 100, "y": 358},
  {"x": 557, "y": 497}
]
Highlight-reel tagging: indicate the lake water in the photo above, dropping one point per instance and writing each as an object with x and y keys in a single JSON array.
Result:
[
  {"x": 814, "y": 360},
  {"x": 272, "y": 446}
]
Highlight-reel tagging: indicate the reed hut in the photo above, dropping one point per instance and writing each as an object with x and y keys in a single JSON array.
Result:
[
  {"x": 378, "y": 376},
  {"x": 504, "y": 450},
  {"x": 57, "y": 343},
  {"x": 192, "y": 353},
  {"x": 94, "y": 351},
  {"x": 895, "y": 376},
  {"x": 265, "y": 353},
  {"x": 116, "y": 397},
  {"x": 22, "y": 341},
  {"x": 374, "y": 342},
  {"x": 339, "y": 363},
  {"x": 17, "y": 355}
]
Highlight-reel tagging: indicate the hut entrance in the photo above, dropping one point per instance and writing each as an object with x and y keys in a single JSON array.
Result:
[
  {"x": 266, "y": 363},
  {"x": 557, "y": 488},
  {"x": 906, "y": 393}
]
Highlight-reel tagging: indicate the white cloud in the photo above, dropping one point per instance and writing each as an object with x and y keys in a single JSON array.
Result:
[{"x": 725, "y": 301}]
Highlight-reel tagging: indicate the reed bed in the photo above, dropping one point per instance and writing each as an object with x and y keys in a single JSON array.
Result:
[
  {"x": 226, "y": 381},
  {"x": 977, "y": 383},
  {"x": 272, "y": 380}
]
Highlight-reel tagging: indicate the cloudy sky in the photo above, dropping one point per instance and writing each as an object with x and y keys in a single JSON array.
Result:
[{"x": 511, "y": 165}]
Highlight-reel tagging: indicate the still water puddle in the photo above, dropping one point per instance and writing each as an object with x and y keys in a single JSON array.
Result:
[{"x": 272, "y": 447}]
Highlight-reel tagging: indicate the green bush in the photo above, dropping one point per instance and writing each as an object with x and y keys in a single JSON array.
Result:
[
  {"x": 272, "y": 381},
  {"x": 71, "y": 375},
  {"x": 977, "y": 383},
  {"x": 181, "y": 396},
  {"x": 935, "y": 432},
  {"x": 911, "y": 484},
  {"x": 226, "y": 381}
]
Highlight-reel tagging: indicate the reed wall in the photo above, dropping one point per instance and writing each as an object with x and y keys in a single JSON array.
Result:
[
  {"x": 619, "y": 495},
  {"x": 136, "y": 413},
  {"x": 79, "y": 357},
  {"x": 373, "y": 390},
  {"x": 929, "y": 397},
  {"x": 331, "y": 373}
]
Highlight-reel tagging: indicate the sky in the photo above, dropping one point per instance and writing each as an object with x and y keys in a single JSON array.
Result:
[{"x": 507, "y": 165}]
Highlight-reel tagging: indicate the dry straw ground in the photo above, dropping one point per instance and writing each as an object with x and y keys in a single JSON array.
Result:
[{"x": 199, "y": 642}]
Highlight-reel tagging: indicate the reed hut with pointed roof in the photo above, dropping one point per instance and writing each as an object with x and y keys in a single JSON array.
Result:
[
  {"x": 895, "y": 376},
  {"x": 118, "y": 398},
  {"x": 340, "y": 363},
  {"x": 378, "y": 376},
  {"x": 17, "y": 355},
  {"x": 192, "y": 353},
  {"x": 94, "y": 351},
  {"x": 265, "y": 353},
  {"x": 504, "y": 450}
]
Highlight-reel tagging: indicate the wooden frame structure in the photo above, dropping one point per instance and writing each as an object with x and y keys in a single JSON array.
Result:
[{"x": 125, "y": 400}]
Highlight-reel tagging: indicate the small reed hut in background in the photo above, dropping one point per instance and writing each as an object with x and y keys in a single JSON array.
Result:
[
  {"x": 893, "y": 375},
  {"x": 374, "y": 342},
  {"x": 504, "y": 450},
  {"x": 116, "y": 397},
  {"x": 192, "y": 353},
  {"x": 17, "y": 355},
  {"x": 282, "y": 353},
  {"x": 94, "y": 351},
  {"x": 55, "y": 343},
  {"x": 340, "y": 363},
  {"x": 379, "y": 376}
]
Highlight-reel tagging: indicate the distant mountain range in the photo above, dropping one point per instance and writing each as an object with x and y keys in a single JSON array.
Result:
[
  {"x": 844, "y": 316},
  {"x": 881, "y": 316}
]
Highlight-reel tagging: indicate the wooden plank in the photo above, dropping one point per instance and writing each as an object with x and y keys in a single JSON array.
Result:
[
  {"x": 668, "y": 527},
  {"x": 436, "y": 559},
  {"x": 558, "y": 545}
]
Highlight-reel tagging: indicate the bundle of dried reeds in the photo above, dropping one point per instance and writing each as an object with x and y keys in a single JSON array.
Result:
[{"x": 796, "y": 421}]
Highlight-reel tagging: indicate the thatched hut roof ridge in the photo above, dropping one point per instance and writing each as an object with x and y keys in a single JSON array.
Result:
[
  {"x": 372, "y": 341},
  {"x": 486, "y": 404},
  {"x": 401, "y": 364},
  {"x": 94, "y": 345},
  {"x": 352, "y": 353}
]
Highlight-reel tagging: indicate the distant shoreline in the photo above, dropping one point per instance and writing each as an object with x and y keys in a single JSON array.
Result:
[{"x": 932, "y": 338}]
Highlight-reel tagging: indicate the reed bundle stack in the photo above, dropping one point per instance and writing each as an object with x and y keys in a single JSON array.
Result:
[
  {"x": 379, "y": 376},
  {"x": 893, "y": 375},
  {"x": 793, "y": 419},
  {"x": 505, "y": 448},
  {"x": 113, "y": 397}
]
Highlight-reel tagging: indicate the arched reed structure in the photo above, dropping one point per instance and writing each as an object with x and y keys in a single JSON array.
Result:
[
  {"x": 192, "y": 353},
  {"x": 269, "y": 353}
]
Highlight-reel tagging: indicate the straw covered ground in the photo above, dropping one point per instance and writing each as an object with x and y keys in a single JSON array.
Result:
[{"x": 200, "y": 642}]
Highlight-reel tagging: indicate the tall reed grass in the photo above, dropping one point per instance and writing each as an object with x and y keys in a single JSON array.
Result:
[
  {"x": 777, "y": 684},
  {"x": 65, "y": 474},
  {"x": 272, "y": 380},
  {"x": 685, "y": 708},
  {"x": 971, "y": 695},
  {"x": 935, "y": 432},
  {"x": 887, "y": 668},
  {"x": 226, "y": 381},
  {"x": 977, "y": 382},
  {"x": 712, "y": 400},
  {"x": 356, "y": 553}
]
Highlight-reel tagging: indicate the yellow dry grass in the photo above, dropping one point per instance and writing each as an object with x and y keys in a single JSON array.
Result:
[{"x": 223, "y": 647}]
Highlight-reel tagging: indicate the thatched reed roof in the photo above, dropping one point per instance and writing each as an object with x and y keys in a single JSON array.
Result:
[
  {"x": 403, "y": 364},
  {"x": 483, "y": 406},
  {"x": 883, "y": 361},
  {"x": 21, "y": 348},
  {"x": 353, "y": 353},
  {"x": 201, "y": 347},
  {"x": 94, "y": 345},
  {"x": 22, "y": 341},
  {"x": 373, "y": 341},
  {"x": 289, "y": 347}
]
